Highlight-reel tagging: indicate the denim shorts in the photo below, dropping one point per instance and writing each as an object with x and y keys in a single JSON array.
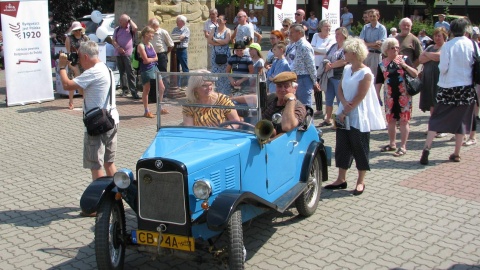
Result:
[
  {"x": 332, "y": 91},
  {"x": 148, "y": 75}
]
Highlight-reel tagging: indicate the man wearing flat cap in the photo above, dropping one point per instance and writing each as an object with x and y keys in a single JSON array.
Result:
[{"x": 284, "y": 102}]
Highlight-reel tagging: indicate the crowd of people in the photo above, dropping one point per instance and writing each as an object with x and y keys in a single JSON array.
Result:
[{"x": 307, "y": 62}]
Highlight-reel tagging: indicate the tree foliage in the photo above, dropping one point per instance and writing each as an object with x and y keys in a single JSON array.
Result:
[
  {"x": 67, "y": 11},
  {"x": 237, "y": 3},
  {"x": 430, "y": 4}
]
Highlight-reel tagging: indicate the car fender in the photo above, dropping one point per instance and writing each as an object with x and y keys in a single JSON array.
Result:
[
  {"x": 225, "y": 204},
  {"x": 314, "y": 149},
  {"x": 95, "y": 192}
]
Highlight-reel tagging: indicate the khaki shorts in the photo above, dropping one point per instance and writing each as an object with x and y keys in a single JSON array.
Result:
[{"x": 99, "y": 149}]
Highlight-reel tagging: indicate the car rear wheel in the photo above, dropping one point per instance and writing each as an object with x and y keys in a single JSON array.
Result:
[
  {"x": 110, "y": 234},
  {"x": 236, "y": 250},
  {"x": 307, "y": 202}
]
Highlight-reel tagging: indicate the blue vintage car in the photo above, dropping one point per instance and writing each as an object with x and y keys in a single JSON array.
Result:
[{"x": 194, "y": 186}]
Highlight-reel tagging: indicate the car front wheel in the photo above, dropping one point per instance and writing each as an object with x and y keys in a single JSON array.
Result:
[
  {"x": 307, "y": 202},
  {"x": 110, "y": 234},
  {"x": 236, "y": 250}
]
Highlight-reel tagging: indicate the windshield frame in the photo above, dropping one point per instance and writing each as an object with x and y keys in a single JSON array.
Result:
[{"x": 254, "y": 109}]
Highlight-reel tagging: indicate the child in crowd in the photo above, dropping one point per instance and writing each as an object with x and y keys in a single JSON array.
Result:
[
  {"x": 279, "y": 65},
  {"x": 258, "y": 62},
  {"x": 239, "y": 63}
]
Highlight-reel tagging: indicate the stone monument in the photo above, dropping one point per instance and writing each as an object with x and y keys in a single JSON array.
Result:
[{"x": 166, "y": 11}]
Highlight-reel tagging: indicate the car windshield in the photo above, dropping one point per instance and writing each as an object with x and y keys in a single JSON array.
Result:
[{"x": 208, "y": 100}]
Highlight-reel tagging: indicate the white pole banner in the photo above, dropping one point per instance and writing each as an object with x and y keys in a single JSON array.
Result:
[
  {"x": 282, "y": 10},
  {"x": 331, "y": 12},
  {"x": 28, "y": 71}
]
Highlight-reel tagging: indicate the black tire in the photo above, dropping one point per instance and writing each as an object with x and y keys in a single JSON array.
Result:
[
  {"x": 110, "y": 234},
  {"x": 236, "y": 250},
  {"x": 307, "y": 202}
]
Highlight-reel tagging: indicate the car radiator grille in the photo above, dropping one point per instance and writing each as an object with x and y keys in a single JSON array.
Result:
[{"x": 161, "y": 196}]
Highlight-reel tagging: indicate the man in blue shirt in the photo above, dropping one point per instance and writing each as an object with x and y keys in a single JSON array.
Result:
[
  {"x": 373, "y": 34},
  {"x": 442, "y": 23}
]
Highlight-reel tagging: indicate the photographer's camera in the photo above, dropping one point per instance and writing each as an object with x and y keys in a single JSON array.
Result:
[{"x": 72, "y": 57}]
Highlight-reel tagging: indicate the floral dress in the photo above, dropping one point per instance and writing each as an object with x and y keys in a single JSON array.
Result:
[
  {"x": 398, "y": 104},
  {"x": 222, "y": 84}
]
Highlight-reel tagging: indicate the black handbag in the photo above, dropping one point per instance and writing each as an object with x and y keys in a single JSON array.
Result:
[
  {"x": 99, "y": 120},
  {"x": 476, "y": 65},
  {"x": 220, "y": 58},
  {"x": 413, "y": 85}
]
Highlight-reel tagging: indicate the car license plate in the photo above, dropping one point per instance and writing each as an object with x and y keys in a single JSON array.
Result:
[{"x": 167, "y": 240}]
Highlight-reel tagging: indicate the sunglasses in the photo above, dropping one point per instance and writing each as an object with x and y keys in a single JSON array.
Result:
[
  {"x": 297, "y": 14},
  {"x": 285, "y": 25}
]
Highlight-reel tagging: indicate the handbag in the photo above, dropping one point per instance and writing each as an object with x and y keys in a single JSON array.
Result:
[
  {"x": 220, "y": 58},
  {"x": 99, "y": 120},
  {"x": 476, "y": 65},
  {"x": 413, "y": 85}
]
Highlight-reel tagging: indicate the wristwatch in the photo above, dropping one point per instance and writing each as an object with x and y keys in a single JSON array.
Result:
[{"x": 293, "y": 98}]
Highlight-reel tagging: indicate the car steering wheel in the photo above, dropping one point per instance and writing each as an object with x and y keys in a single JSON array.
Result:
[{"x": 234, "y": 122}]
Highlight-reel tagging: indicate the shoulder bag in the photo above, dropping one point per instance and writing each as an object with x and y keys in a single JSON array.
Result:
[
  {"x": 99, "y": 120},
  {"x": 220, "y": 58},
  {"x": 476, "y": 65},
  {"x": 413, "y": 85}
]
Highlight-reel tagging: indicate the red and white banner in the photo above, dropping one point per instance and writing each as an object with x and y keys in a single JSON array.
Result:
[
  {"x": 26, "y": 45},
  {"x": 331, "y": 12},
  {"x": 283, "y": 9}
]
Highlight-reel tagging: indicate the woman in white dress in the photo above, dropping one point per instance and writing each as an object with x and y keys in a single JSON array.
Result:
[
  {"x": 359, "y": 113},
  {"x": 321, "y": 42}
]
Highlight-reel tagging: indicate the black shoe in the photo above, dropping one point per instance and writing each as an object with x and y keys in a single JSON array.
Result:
[
  {"x": 424, "y": 158},
  {"x": 135, "y": 96},
  {"x": 340, "y": 186},
  {"x": 356, "y": 192}
]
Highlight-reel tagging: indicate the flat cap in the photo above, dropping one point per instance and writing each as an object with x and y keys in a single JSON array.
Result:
[{"x": 286, "y": 76}]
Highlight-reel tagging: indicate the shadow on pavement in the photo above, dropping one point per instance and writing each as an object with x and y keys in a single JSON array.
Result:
[{"x": 37, "y": 218}]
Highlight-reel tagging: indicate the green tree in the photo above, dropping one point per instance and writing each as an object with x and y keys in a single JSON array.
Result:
[
  {"x": 67, "y": 11},
  {"x": 430, "y": 4}
]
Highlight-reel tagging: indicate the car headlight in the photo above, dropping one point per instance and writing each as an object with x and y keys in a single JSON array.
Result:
[
  {"x": 202, "y": 189},
  {"x": 123, "y": 178}
]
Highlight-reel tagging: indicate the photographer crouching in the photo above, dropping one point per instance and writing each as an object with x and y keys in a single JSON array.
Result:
[{"x": 100, "y": 142}]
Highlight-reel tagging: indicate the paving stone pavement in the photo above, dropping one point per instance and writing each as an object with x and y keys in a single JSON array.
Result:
[{"x": 410, "y": 216}]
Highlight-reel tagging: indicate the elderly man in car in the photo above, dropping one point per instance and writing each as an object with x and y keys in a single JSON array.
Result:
[{"x": 285, "y": 103}]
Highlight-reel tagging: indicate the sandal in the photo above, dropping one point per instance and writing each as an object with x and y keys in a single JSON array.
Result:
[
  {"x": 164, "y": 111},
  {"x": 400, "y": 152},
  {"x": 70, "y": 106},
  {"x": 454, "y": 158},
  {"x": 469, "y": 142},
  {"x": 388, "y": 148},
  {"x": 325, "y": 124},
  {"x": 441, "y": 135}
]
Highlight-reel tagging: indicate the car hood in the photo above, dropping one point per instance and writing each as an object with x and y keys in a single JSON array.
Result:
[{"x": 197, "y": 147}]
